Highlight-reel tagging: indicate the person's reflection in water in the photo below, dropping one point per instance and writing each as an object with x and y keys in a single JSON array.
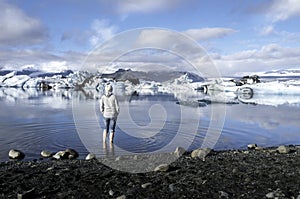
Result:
[{"x": 109, "y": 151}]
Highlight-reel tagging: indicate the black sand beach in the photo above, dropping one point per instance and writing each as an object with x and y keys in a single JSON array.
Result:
[{"x": 263, "y": 173}]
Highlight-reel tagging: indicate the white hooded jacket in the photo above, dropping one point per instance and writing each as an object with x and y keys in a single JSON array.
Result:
[{"x": 109, "y": 105}]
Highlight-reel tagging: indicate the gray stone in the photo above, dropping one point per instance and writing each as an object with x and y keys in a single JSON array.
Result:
[
  {"x": 194, "y": 153},
  {"x": 172, "y": 187},
  {"x": 275, "y": 194},
  {"x": 162, "y": 168},
  {"x": 90, "y": 156},
  {"x": 50, "y": 168},
  {"x": 46, "y": 154},
  {"x": 201, "y": 153},
  {"x": 179, "y": 151},
  {"x": 72, "y": 154},
  {"x": 258, "y": 148},
  {"x": 252, "y": 146},
  {"x": 66, "y": 154},
  {"x": 16, "y": 154},
  {"x": 111, "y": 192},
  {"x": 270, "y": 195},
  {"x": 118, "y": 158},
  {"x": 146, "y": 185},
  {"x": 223, "y": 194},
  {"x": 121, "y": 197},
  {"x": 27, "y": 194},
  {"x": 60, "y": 155},
  {"x": 283, "y": 149},
  {"x": 298, "y": 197}
]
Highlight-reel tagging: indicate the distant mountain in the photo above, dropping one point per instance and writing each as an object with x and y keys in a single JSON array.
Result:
[
  {"x": 281, "y": 73},
  {"x": 36, "y": 73},
  {"x": 158, "y": 76}
]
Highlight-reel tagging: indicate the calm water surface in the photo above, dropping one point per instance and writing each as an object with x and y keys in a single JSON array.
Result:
[{"x": 32, "y": 121}]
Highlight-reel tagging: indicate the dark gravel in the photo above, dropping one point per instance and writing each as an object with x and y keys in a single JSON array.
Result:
[{"x": 224, "y": 174}]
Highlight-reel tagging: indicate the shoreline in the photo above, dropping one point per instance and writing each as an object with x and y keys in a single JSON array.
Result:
[{"x": 255, "y": 173}]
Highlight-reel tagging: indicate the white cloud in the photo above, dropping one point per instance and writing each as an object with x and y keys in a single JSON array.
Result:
[
  {"x": 144, "y": 6},
  {"x": 101, "y": 30},
  {"x": 209, "y": 33},
  {"x": 268, "y": 57},
  {"x": 17, "y": 28},
  {"x": 267, "y": 30},
  {"x": 282, "y": 10},
  {"x": 40, "y": 59}
]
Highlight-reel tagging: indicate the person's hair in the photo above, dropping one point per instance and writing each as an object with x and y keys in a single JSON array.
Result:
[{"x": 108, "y": 88}]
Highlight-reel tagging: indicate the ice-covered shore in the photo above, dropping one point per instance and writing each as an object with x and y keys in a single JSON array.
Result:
[{"x": 185, "y": 87}]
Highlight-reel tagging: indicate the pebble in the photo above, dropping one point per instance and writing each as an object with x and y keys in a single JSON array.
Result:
[
  {"x": 258, "y": 148},
  {"x": 146, "y": 185},
  {"x": 252, "y": 146},
  {"x": 90, "y": 156},
  {"x": 283, "y": 149},
  {"x": 50, "y": 168},
  {"x": 46, "y": 154},
  {"x": 72, "y": 154},
  {"x": 118, "y": 158},
  {"x": 298, "y": 197},
  {"x": 66, "y": 154},
  {"x": 202, "y": 153},
  {"x": 27, "y": 194},
  {"x": 194, "y": 153},
  {"x": 172, "y": 187},
  {"x": 16, "y": 154},
  {"x": 121, "y": 197},
  {"x": 162, "y": 168},
  {"x": 179, "y": 151},
  {"x": 275, "y": 194},
  {"x": 223, "y": 194},
  {"x": 111, "y": 192},
  {"x": 60, "y": 155}
]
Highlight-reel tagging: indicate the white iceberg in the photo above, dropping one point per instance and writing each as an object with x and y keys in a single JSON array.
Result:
[{"x": 16, "y": 81}]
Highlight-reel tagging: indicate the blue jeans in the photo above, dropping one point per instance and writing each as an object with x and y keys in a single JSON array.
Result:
[{"x": 107, "y": 124}]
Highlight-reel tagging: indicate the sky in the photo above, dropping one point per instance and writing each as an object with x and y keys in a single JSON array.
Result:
[{"x": 239, "y": 37}]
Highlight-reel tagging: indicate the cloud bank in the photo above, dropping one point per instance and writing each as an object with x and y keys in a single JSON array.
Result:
[
  {"x": 19, "y": 29},
  {"x": 209, "y": 33},
  {"x": 144, "y": 6},
  {"x": 282, "y": 10}
]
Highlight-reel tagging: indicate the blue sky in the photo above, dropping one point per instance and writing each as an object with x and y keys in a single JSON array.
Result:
[{"x": 239, "y": 36}]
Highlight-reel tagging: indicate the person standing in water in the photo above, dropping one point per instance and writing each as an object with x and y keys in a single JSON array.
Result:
[{"x": 109, "y": 107}]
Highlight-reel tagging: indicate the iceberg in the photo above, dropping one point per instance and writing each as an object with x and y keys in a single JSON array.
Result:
[
  {"x": 185, "y": 87},
  {"x": 15, "y": 81}
]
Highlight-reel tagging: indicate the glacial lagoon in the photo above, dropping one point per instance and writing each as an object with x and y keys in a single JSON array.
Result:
[{"x": 149, "y": 122}]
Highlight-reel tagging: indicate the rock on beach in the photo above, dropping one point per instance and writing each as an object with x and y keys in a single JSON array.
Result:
[
  {"x": 201, "y": 153},
  {"x": 66, "y": 154},
  {"x": 90, "y": 156},
  {"x": 46, "y": 154},
  {"x": 179, "y": 151},
  {"x": 16, "y": 154},
  {"x": 283, "y": 149},
  {"x": 162, "y": 168}
]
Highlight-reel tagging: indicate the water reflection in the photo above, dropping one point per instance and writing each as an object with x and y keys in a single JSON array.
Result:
[{"x": 33, "y": 120}]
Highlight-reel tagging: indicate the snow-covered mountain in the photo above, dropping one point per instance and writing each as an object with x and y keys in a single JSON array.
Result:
[{"x": 280, "y": 73}]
